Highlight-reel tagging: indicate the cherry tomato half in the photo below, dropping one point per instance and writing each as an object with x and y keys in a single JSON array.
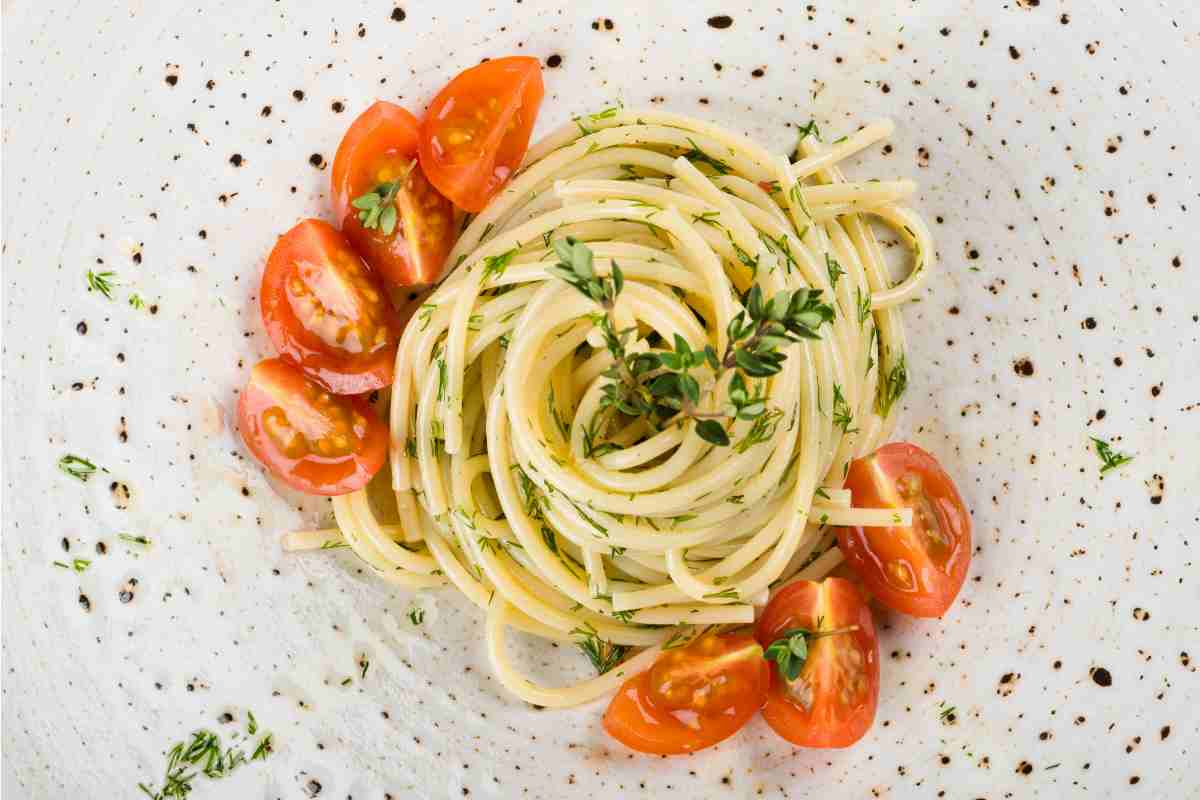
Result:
[
  {"x": 317, "y": 442},
  {"x": 916, "y": 570},
  {"x": 692, "y": 697},
  {"x": 831, "y": 702},
  {"x": 326, "y": 312},
  {"x": 477, "y": 129},
  {"x": 385, "y": 205}
]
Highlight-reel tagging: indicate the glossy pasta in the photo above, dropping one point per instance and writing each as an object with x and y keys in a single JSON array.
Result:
[{"x": 496, "y": 416}]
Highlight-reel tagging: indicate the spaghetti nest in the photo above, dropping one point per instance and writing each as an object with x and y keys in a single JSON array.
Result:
[{"x": 525, "y": 473}]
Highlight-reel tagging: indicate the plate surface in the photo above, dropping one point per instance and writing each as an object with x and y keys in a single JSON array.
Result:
[{"x": 172, "y": 142}]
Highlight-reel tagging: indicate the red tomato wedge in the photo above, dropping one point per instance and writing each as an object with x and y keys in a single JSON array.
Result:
[
  {"x": 917, "y": 570},
  {"x": 385, "y": 205},
  {"x": 477, "y": 129},
  {"x": 326, "y": 312},
  {"x": 831, "y": 702},
  {"x": 692, "y": 697},
  {"x": 316, "y": 442}
]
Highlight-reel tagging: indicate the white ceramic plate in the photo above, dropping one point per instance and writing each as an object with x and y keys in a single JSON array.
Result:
[{"x": 1055, "y": 147}]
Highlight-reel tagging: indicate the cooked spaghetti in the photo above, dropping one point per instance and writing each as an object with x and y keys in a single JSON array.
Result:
[{"x": 559, "y": 514}]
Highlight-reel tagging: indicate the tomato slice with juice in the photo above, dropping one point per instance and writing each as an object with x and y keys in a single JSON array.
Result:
[
  {"x": 692, "y": 697},
  {"x": 477, "y": 129},
  {"x": 916, "y": 570},
  {"x": 315, "y": 441},
  {"x": 824, "y": 689},
  {"x": 326, "y": 311},
  {"x": 386, "y": 207}
]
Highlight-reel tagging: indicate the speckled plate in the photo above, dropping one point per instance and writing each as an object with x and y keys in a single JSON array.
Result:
[{"x": 170, "y": 143}]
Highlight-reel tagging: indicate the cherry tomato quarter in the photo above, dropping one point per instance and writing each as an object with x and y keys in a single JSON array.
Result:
[
  {"x": 477, "y": 129},
  {"x": 386, "y": 207},
  {"x": 326, "y": 311},
  {"x": 692, "y": 697},
  {"x": 831, "y": 697},
  {"x": 314, "y": 441},
  {"x": 916, "y": 570}
]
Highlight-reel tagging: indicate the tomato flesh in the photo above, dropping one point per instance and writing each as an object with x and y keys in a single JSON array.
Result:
[
  {"x": 477, "y": 129},
  {"x": 833, "y": 700},
  {"x": 917, "y": 570},
  {"x": 326, "y": 312},
  {"x": 315, "y": 441},
  {"x": 692, "y": 697},
  {"x": 379, "y": 150}
]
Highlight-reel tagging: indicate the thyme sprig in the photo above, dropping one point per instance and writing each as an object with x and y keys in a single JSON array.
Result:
[
  {"x": 789, "y": 651},
  {"x": 377, "y": 208},
  {"x": 659, "y": 384}
]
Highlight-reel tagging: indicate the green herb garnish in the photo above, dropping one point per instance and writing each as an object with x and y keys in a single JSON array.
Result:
[
  {"x": 891, "y": 387},
  {"x": 834, "y": 269},
  {"x": 842, "y": 416},
  {"x": 796, "y": 193},
  {"x": 77, "y": 467},
  {"x": 425, "y": 315},
  {"x": 781, "y": 247},
  {"x": 592, "y": 446},
  {"x": 756, "y": 336},
  {"x": 862, "y": 301},
  {"x": 377, "y": 208},
  {"x": 443, "y": 379},
  {"x": 264, "y": 749},
  {"x": 204, "y": 755},
  {"x": 1111, "y": 458},
  {"x": 761, "y": 431},
  {"x": 810, "y": 129},
  {"x": 697, "y": 155},
  {"x": 102, "y": 282},
  {"x": 789, "y": 651},
  {"x": 603, "y": 654},
  {"x": 494, "y": 266}
]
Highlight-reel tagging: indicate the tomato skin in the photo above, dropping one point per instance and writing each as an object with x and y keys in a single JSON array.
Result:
[
  {"x": 840, "y": 667},
  {"x": 648, "y": 715},
  {"x": 380, "y": 145},
  {"x": 917, "y": 570},
  {"x": 348, "y": 344},
  {"x": 477, "y": 129},
  {"x": 280, "y": 401}
]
